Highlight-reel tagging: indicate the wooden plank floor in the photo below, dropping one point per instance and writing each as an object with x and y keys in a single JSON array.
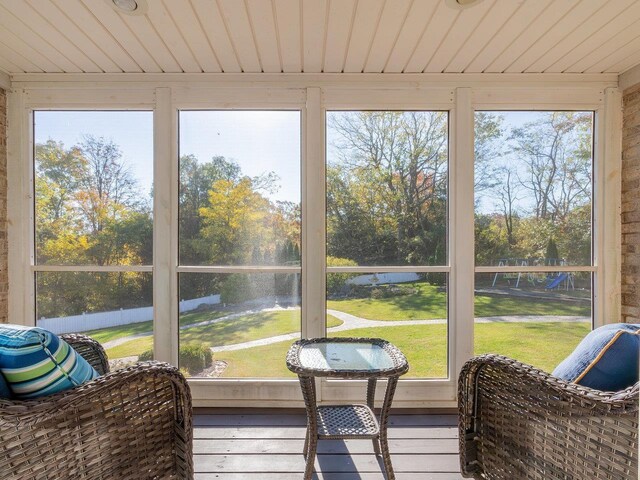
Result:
[{"x": 268, "y": 446}]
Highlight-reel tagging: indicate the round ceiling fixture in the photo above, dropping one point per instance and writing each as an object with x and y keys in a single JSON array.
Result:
[
  {"x": 129, "y": 7},
  {"x": 126, "y": 5},
  {"x": 460, "y": 4}
]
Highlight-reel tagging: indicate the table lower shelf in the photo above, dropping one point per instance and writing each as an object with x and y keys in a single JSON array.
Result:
[{"x": 346, "y": 421}]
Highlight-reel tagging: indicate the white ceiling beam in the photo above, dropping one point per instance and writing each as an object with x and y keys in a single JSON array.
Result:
[
  {"x": 5, "y": 80},
  {"x": 301, "y": 80},
  {"x": 629, "y": 78}
]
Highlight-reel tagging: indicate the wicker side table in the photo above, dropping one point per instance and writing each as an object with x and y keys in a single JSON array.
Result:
[{"x": 346, "y": 358}]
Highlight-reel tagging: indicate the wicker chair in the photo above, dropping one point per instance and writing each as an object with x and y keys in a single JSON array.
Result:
[
  {"x": 517, "y": 422},
  {"x": 133, "y": 423}
]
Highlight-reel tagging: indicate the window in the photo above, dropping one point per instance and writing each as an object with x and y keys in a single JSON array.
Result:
[
  {"x": 212, "y": 226},
  {"x": 387, "y": 194},
  {"x": 533, "y": 233},
  {"x": 239, "y": 227},
  {"x": 93, "y": 227}
]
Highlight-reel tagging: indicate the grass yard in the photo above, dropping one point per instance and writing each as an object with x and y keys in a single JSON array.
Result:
[
  {"x": 429, "y": 303},
  {"x": 543, "y": 345},
  {"x": 236, "y": 330},
  {"x": 131, "y": 348},
  {"x": 113, "y": 333}
]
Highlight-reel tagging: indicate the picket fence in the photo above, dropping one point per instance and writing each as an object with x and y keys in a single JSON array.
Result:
[{"x": 95, "y": 321}]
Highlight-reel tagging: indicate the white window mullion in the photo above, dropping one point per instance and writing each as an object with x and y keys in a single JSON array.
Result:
[
  {"x": 461, "y": 232},
  {"x": 20, "y": 211},
  {"x": 607, "y": 208},
  {"x": 313, "y": 219},
  {"x": 165, "y": 311}
]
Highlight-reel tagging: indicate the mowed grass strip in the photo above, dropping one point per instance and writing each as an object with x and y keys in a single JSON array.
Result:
[
  {"x": 543, "y": 345},
  {"x": 241, "y": 329},
  {"x": 430, "y": 302}
]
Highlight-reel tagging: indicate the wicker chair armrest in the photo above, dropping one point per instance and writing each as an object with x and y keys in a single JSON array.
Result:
[
  {"x": 89, "y": 349},
  {"x": 484, "y": 378},
  {"x": 131, "y": 423},
  {"x": 490, "y": 365}
]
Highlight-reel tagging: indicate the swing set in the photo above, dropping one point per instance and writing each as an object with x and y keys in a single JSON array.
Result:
[{"x": 559, "y": 280}]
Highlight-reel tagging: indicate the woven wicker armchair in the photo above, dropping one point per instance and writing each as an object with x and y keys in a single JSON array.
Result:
[
  {"x": 133, "y": 423},
  {"x": 517, "y": 422}
]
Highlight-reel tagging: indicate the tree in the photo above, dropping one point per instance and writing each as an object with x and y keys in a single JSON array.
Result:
[
  {"x": 552, "y": 254},
  {"x": 336, "y": 281},
  {"x": 488, "y": 130},
  {"x": 542, "y": 188},
  {"x": 387, "y": 187},
  {"x": 107, "y": 187},
  {"x": 556, "y": 155},
  {"x": 507, "y": 191},
  {"x": 235, "y": 222},
  {"x": 89, "y": 212},
  {"x": 196, "y": 180}
]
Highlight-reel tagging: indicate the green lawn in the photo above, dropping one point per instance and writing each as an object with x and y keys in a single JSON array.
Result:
[
  {"x": 543, "y": 345},
  {"x": 429, "y": 302},
  {"x": 537, "y": 343},
  {"x": 236, "y": 330},
  {"x": 113, "y": 333}
]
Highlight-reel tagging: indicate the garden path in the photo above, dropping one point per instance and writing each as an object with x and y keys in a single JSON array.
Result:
[{"x": 351, "y": 322}]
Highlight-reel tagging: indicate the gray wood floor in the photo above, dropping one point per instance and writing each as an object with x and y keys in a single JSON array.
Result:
[{"x": 268, "y": 446}]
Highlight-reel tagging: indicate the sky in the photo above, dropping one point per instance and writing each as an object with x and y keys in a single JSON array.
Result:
[
  {"x": 132, "y": 131},
  {"x": 259, "y": 141}
]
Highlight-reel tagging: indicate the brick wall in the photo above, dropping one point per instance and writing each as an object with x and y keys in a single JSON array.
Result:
[
  {"x": 631, "y": 205},
  {"x": 4, "y": 279}
]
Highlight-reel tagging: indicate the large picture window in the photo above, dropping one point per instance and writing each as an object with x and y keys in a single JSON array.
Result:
[
  {"x": 387, "y": 193},
  {"x": 239, "y": 227},
  {"x": 533, "y": 233},
  {"x": 93, "y": 227},
  {"x": 212, "y": 227}
]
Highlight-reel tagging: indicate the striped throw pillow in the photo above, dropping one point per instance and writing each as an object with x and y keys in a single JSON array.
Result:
[
  {"x": 36, "y": 362},
  {"x": 5, "y": 391}
]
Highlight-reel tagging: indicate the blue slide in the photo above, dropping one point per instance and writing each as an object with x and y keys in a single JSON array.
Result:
[{"x": 556, "y": 281}]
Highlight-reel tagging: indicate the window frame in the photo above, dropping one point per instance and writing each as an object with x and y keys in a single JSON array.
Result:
[{"x": 461, "y": 95}]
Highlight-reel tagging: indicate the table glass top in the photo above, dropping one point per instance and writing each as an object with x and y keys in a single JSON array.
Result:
[{"x": 345, "y": 356}]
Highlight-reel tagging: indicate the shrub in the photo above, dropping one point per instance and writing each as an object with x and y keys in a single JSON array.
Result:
[
  {"x": 336, "y": 281},
  {"x": 146, "y": 356},
  {"x": 377, "y": 293},
  {"x": 195, "y": 357}
]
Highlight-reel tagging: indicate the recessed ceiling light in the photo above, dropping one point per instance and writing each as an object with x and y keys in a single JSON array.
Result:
[
  {"x": 459, "y": 4},
  {"x": 129, "y": 7}
]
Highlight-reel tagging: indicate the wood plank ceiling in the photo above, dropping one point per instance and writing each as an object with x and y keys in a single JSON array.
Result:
[{"x": 273, "y": 36}]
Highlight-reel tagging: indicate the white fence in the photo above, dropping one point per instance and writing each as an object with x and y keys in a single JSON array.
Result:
[
  {"x": 188, "y": 305},
  {"x": 95, "y": 321},
  {"x": 384, "y": 278}
]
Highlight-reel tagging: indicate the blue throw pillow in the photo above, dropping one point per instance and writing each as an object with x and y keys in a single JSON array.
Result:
[
  {"x": 36, "y": 362},
  {"x": 606, "y": 359}
]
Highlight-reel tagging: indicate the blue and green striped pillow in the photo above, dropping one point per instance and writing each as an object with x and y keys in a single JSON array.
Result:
[
  {"x": 36, "y": 362},
  {"x": 5, "y": 391}
]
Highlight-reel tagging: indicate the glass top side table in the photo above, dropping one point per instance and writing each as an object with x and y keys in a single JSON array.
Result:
[{"x": 346, "y": 358}]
